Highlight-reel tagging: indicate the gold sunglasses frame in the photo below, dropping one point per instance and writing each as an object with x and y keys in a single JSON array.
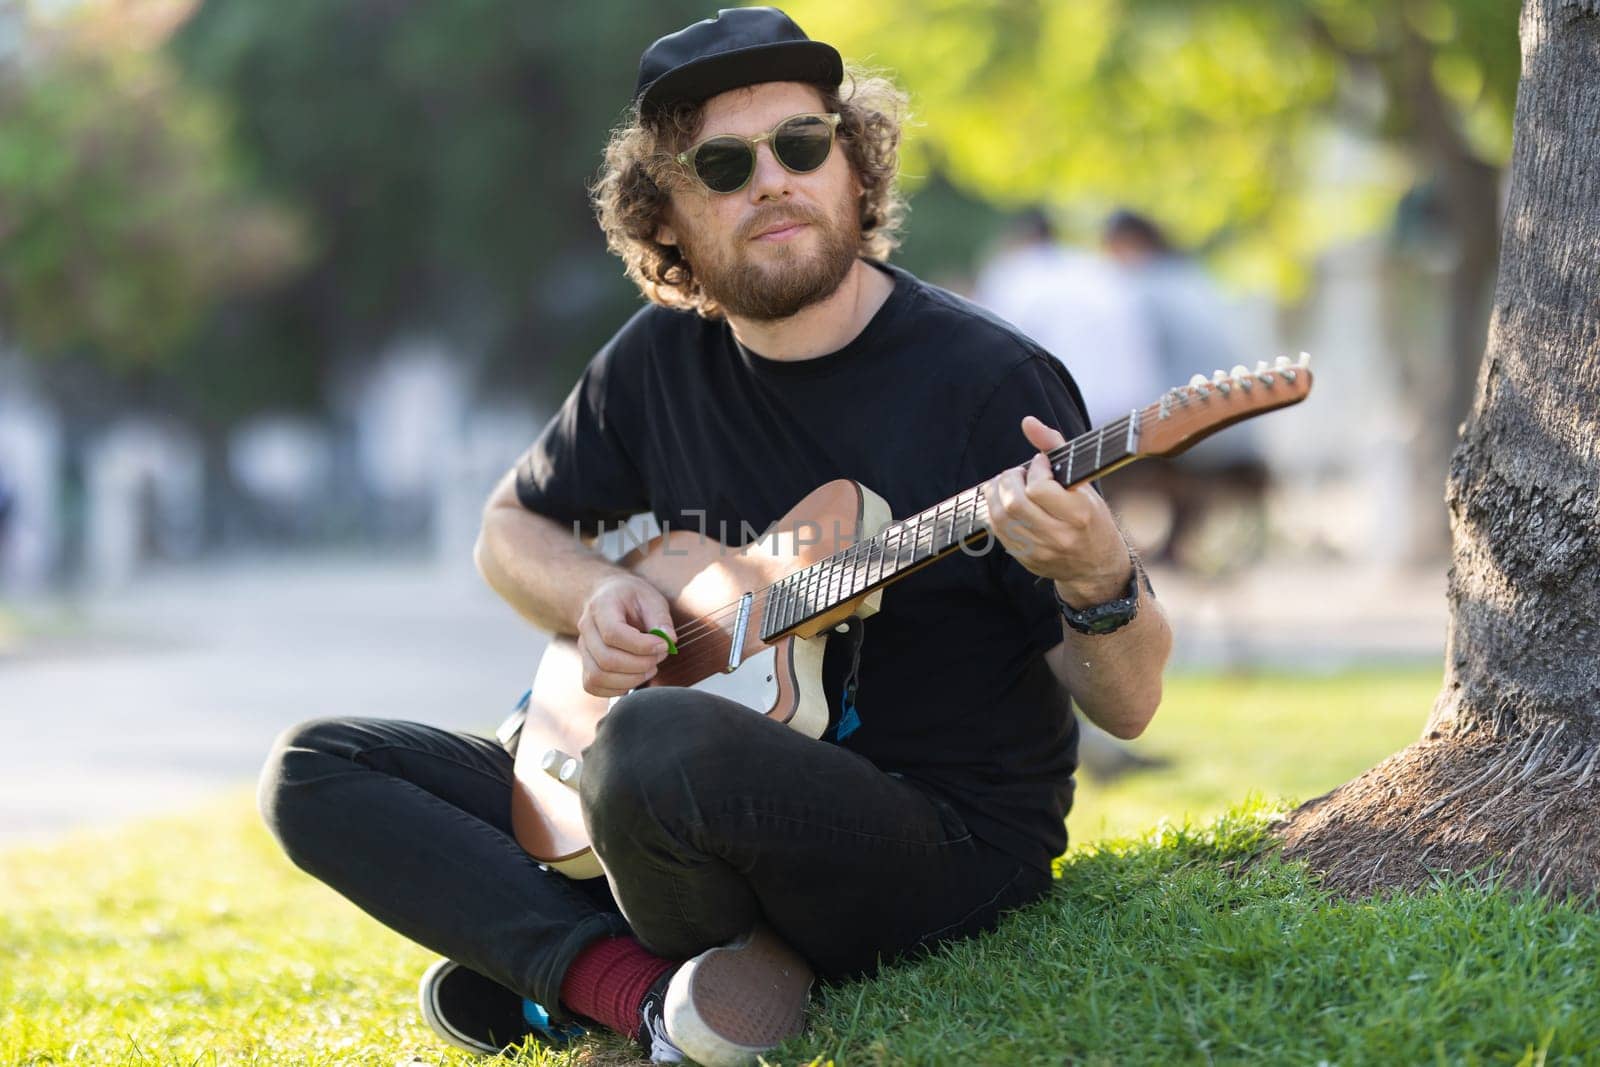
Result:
[{"x": 686, "y": 157}]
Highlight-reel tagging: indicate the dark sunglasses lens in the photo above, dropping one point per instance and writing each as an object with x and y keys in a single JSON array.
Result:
[
  {"x": 724, "y": 164},
  {"x": 802, "y": 143}
]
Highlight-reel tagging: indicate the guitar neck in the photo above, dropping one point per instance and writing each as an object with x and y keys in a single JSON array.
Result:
[
  {"x": 1179, "y": 419},
  {"x": 917, "y": 540}
]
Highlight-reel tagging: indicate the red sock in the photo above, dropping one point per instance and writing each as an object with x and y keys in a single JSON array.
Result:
[{"x": 608, "y": 981}]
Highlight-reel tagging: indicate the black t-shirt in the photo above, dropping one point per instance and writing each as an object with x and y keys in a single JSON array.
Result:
[{"x": 674, "y": 417}]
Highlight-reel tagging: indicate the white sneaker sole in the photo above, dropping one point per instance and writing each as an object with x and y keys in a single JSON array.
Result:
[{"x": 728, "y": 1005}]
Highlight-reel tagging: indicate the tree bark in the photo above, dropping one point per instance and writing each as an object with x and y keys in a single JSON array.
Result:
[{"x": 1501, "y": 779}]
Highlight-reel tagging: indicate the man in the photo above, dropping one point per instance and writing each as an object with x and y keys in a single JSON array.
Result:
[{"x": 752, "y": 201}]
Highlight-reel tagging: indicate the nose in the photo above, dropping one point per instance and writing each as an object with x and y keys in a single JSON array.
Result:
[{"x": 770, "y": 180}]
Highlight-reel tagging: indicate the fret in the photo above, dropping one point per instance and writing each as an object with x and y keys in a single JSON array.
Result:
[
  {"x": 830, "y": 588},
  {"x": 1071, "y": 448},
  {"x": 809, "y": 593},
  {"x": 1099, "y": 443},
  {"x": 770, "y": 609},
  {"x": 874, "y": 560},
  {"x": 791, "y": 602},
  {"x": 859, "y": 561}
]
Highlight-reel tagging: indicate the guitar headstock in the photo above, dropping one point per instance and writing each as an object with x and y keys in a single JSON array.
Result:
[{"x": 1190, "y": 413}]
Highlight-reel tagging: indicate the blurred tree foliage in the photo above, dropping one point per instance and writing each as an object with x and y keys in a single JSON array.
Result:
[
  {"x": 120, "y": 219},
  {"x": 441, "y": 152},
  {"x": 1216, "y": 117},
  {"x": 1205, "y": 113}
]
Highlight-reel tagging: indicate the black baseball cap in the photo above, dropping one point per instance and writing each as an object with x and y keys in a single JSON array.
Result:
[{"x": 741, "y": 46}]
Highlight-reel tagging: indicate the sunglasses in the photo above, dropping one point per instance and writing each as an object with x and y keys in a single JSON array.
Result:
[{"x": 726, "y": 163}]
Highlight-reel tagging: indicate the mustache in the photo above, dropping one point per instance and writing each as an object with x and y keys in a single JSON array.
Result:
[{"x": 775, "y": 217}]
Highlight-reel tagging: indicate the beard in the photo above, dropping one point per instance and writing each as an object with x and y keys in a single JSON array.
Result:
[{"x": 785, "y": 280}]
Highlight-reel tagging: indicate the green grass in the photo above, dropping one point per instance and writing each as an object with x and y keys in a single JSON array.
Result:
[
  {"x": 191, "y": 940},
  {"x": 1228, "y": 736}
]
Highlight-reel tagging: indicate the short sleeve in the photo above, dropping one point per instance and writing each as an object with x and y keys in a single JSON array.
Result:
[
  {"x": 579, "y": 470},
  {"x": 1040, "y": 386}
]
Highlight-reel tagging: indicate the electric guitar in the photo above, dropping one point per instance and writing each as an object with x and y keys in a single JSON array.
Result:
[{"x": 751, "y": 623}]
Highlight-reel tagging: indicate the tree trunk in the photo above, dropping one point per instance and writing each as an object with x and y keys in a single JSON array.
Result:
[{"x": 1507, "y": 774}]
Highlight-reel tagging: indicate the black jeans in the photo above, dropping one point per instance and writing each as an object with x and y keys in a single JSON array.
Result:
[{"x": 708, "y": 818}]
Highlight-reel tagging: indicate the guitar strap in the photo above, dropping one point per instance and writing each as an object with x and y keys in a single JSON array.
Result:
[{"x": 855, "y": 633}]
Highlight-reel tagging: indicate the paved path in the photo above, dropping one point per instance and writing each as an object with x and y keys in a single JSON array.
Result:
[
  {"x": 174, "y": 687},
  {"x": 181, "y": 682}
]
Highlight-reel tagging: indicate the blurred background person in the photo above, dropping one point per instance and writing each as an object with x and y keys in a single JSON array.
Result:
[
  {"x": 1185, "y": 317},
  {"x": 1076, "y": 305}
]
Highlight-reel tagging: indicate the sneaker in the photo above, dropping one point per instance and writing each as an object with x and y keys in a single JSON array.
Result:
[
  {"x": 475, "y": 1014},
  {"x": 653, "y": 1028},
  {"x": 728, "y": 1005}
]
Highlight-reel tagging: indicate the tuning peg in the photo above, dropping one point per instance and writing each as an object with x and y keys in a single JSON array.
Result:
[
  {"x": 1264, "y": 372},
  {"x": 1305, "y": 359},
  {"x": 1200, "y": 386},
  {"x": 1281, "y": 362},
  {"x": 1241, "y": 376},
  {"x": 1220, "y": 380}
]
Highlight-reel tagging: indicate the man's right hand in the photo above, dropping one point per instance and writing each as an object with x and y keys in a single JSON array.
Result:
[{"x": 619, "y": 651}]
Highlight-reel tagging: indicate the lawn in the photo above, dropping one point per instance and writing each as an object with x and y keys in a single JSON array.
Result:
[{"x": 191, "y": 940}]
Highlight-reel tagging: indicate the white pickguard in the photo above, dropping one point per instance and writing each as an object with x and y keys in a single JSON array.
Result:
[{"x": 754, "y": 684}]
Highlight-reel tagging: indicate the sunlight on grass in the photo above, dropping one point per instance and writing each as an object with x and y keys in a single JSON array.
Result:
[
  {"x": 193, "y": 941},
  {"x": 1228, "y": 737}
]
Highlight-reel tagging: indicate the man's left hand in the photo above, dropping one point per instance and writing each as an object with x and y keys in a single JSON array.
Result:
[{"x": 1067, "y": 535}]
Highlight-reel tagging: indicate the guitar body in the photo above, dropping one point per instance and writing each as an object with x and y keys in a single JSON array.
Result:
[{"x": 701, "y": 579}]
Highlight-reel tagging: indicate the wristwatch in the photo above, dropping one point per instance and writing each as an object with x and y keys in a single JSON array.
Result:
[{"x": 1108, "y": 617}]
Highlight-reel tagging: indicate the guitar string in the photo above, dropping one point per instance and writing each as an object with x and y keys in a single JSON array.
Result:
[{"x": 705, "y": 626}]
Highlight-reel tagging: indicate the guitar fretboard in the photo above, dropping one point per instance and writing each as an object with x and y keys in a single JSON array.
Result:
[{"x": 909, "y": 543}]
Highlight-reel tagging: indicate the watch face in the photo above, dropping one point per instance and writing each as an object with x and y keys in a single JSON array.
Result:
[{"x": 1106, "y": 623}]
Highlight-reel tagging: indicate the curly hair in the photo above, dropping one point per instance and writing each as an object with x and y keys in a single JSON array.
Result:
[{"x": 632, "y": 192}]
